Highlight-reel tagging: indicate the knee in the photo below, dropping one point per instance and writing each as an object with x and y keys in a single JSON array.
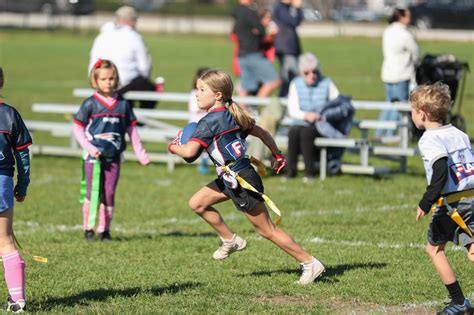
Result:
[
  {"x": 196, "y": 205},
  {"x": 431, "y": 250}
]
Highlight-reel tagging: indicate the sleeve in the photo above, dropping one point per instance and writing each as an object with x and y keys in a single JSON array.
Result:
[
  {"x": 333, "y": 91},
  {"x": 432, "y": 150},
  {"x": 22, "y": 158},
  {"x": 22, "y": 137},
  {"x": 81, "y": 138},
  {"x": 131, "y": 119},
  {"x": 143, "y": 57},
  {"x": 438, "y": 180},
  {"x": 294, "y": 110},
  {"x": 203, "y": 134},
  {"x": 412, "y": 46},
  {"x": 254, "y": 22},
  {"x": 137, "y": 145},
  {"x": 82, "y": 116}
]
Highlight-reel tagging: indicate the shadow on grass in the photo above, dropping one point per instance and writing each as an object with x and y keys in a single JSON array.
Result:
[
  {"x": 330, "y": 275},
  {"x": 99, "y": 295},
  {"x": 134, "y": 237}
]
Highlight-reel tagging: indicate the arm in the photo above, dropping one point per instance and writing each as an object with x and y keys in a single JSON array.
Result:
[
  {"x": 433, "y": 190},
  {"x": 333, "y": 91},
  {"x": 143, "y": 57},
  {"x": 137, "y": 145},
  {"x": 412, "y": 46},
  {"x": 22, "y": 158},
  {"x": 79, "y": 134},
  {"x": 278, "y": 159},
  {"x": 187, "y": 150}
]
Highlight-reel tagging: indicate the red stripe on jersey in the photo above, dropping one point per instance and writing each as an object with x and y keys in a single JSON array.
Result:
[
  {"x": 202, "y": 143},
  {"x": 23, "y": 146},
  {"x": 133, "y": 122},
  {"x": 227, "y": 131},
  {"x": 78, "y": 122},
  {"x": 217, "y": 109},
  {"x": 7, "y": 132}
]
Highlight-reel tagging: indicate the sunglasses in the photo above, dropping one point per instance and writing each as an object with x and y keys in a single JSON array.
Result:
[{"x": 312, "y": 71}]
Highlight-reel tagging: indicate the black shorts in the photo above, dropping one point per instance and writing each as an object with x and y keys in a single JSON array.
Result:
[
  {"x": 245, "y": 200},
  {"x": 443, "y": 229}
]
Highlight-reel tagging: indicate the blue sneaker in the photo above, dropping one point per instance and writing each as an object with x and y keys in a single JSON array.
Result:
[{"x": 457, "y": 309}]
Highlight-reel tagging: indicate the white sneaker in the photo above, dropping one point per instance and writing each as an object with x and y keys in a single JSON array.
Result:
[
  {"x": 15, "y": 307},
  {"x": 311, "y": 271},
  {"x": 228, "y": 247}
]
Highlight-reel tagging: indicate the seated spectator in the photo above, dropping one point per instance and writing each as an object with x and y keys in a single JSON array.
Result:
[
  {"x": 317, "y": 110},
  {"x": 119, "y": 42}
]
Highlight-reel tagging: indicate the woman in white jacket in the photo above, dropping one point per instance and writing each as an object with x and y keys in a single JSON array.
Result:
[{"x": 400, "y": 52}]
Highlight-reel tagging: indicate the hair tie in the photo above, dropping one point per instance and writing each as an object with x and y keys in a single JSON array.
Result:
[
  {"x": 98, "y": 63},
  {"x": 230, "y": 101}
]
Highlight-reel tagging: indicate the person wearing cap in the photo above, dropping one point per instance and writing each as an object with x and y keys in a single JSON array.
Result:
[
  {"x": 308, "y": 94},
  {"x": 119, "y": 42}
]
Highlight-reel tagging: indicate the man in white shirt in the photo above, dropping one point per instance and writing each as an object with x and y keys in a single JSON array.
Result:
[{"x": 119, "y": 42}]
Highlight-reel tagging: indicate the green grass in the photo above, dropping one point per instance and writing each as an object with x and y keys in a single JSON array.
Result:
[{"x": 362, "y": 227}]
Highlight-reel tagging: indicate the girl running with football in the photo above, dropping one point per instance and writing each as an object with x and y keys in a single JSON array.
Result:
[
  {"x": 222, "y": 133},
  {"x": 99, "y": 127}
]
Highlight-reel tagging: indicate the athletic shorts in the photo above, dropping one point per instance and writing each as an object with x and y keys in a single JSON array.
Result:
[
  {"x": 6, "y": 193},
  {"x": 443, "y": 229},
  {"x": 245, "y": 200},
  {"x": 255, "y": 69}
]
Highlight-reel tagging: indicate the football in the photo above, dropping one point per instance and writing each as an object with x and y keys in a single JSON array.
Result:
[{"x": 188, "y": 131}]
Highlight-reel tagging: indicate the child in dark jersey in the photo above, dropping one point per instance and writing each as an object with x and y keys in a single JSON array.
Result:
[
  {"x": 222, "y": 134},
  {"x": 100, "y": 127},
  {"x": 14, "y": 142}
]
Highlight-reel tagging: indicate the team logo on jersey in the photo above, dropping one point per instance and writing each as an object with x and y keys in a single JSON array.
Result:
[
  {"x": 2, "y": 157},
  {"x": 236, "y": 148},
  {"x": 112, "y": 137},
  {"x": 112, "y": 120},
  {"x": 460, "y": 171}
]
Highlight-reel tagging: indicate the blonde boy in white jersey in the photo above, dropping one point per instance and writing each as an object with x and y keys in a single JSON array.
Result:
[{"x": 449, "y": 164}]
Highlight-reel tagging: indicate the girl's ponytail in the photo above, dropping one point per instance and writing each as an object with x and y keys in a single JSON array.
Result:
[{"x": 241, "y": 116}]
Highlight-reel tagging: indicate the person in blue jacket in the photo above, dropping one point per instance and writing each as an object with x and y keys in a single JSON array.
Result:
[{"x": 288, "y": 15}]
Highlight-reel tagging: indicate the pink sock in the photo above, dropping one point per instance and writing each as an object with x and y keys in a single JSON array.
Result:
[
  {"x": 85, "y": 213},
  {"x": 14, "y": 270},
  {"x": 102, "y": 219}
]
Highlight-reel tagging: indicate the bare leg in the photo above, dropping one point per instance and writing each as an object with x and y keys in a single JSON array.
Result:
[
  {"x": 263, "y": 224},
  {"x": 441, "y": 263},
  {"x": 6, "y": 232},
  {"x": 202, "y": 202},
  {"x": 470, "y": 252},
  {"x": 268, "y": 88}
]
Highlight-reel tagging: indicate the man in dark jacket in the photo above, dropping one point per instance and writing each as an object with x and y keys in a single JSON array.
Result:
[
  {"x": 288, "y": 15},
  {"x": 257, "y": 73}
]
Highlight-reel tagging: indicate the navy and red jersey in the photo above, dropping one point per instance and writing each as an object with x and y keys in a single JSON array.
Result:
[
  {"x": 106, "y": 124},
  {"x": 221, "y": 136},
  {"x": 14, "y": 136}
]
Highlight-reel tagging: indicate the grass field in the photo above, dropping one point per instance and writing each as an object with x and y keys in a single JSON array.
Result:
[{"x": 362, "y": 228}]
